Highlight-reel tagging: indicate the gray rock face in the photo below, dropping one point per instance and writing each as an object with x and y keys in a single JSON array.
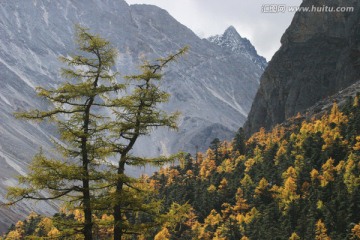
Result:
[
  {"x": 233, "y": 43},
  {"x": 211, "y": 86},
  {"x": 319, "y": 56}
]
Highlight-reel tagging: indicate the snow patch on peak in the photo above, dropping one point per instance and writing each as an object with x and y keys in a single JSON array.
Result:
[
  {"x": 231, "y": 32},
  {"x": 231, "y": 41}
]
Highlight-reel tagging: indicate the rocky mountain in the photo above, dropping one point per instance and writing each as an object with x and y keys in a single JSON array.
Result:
[
  {"x": 233, "y": 43},
  {"x": 213, "y": 86},
  {"x": 319, "y": 56},
  {"x": 325, "y": 105}
]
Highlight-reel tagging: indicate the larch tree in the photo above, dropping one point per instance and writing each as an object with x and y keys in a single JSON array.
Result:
[
  {"x": 76, "y": 177},
  {"x": 321, "y": 231},
  {"x": 137, "y": 114},
  {"x": 85, "y": 177}
]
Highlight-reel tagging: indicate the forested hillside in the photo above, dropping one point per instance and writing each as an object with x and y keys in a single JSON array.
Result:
[
  {"x": 299, "y": 181},
  {"x": 295, "y": 182}
]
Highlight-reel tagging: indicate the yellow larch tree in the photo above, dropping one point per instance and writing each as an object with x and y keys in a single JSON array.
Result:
[
  {"x": 356, "y": 231},
  {"x": 328, "y": 171},
  {"x": 321, "y": 231}
]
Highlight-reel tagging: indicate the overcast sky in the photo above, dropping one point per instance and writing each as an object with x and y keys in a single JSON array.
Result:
[{"x": 210, "y": 17}]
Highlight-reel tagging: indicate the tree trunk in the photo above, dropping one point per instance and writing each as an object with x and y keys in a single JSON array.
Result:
[
  {"x": 87, "y": 212},
  {"x": 85, "y": 179},
  {"x": 118, "y": 226}
]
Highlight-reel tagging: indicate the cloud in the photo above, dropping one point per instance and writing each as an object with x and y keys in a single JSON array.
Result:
[{"x": 210, "y": 17}]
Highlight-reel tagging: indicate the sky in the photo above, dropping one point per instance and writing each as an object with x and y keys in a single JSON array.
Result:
[{"x": 211, "y": 17}]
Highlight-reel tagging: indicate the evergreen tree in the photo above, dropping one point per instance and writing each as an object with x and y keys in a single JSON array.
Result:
[
  {"x": 136, "y": 115},
  {"x": 239, "y": 142},
  {"x": 75, "y": 177},
  {"x": 85, "y": 177},
  {"x": 215, "y": 145}
]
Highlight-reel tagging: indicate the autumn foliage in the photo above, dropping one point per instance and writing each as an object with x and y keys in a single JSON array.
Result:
[{"x": 301, "y": 181}]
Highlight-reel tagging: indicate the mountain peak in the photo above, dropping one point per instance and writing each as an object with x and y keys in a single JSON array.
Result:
[
  {"x": 232, "y": 42},
  {"x": 231, "y": 31}
]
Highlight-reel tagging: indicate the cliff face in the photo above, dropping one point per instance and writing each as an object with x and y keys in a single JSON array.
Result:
[{"x": 319, "y": 56}]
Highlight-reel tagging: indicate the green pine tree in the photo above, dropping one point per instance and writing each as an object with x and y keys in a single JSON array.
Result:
[{"x": 239, "y": 142}]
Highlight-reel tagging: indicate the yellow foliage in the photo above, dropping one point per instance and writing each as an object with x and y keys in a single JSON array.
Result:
[
  {"x": 356, "y": 231},
  {"x": 351, "y": 179},
  {"x": 53, "y": 233},
  {"x": 248, "y": 164},
  {"x": 290, "y": 172},
  {"x": 340, "y": 167},
  {"x": 286, "y": 194},
  {"x": 265, "y": 139},
  {"x": 18, "y": 233},
  {"x": 314, "y": 174},
  {"x": 19, "y": 225},
  {"x": 328, "y": 126},
  {"x": 321, "y": 231},
  {"x": 213, "y": 219},
  {"x": 319, "y": 204},
  {"x": 172, "y": 175},
  {"x": 356, "y": 101},
  {"x": 336, "y": 116},
  {"x": 330, "y": 133},
  {"x": 14, "y": 235},
  {"x": 263, "y": 184},
  {"x": 190, "y": 173},
  {"x": 240, "y": 218},
  {"x": 289, "y": 190},
  {"x": 240, "y": 204},
  {"x": 191, "y": 219},
  {"x": 294, "y": 236},
  {"x": 79, "y": 215},
  {"x": 225, "y": 148},
  {"x": 357, "y": 144},
  {"x": 163, "y": 234},
  {"x": 240, "y": 159},
  {"x": 328, "y": 171},
  {"x": 106, "y": 225},
  {"x": 217, "y": 235},
  {"x": 46, "y": 225},
  {"x": 227, "y": 210},
  {"x": 178, "y": 215},
  {"x": 280, "y": 152},
  {"x": 31, "y": 216},
  {"x": 212, "y": 188},
  {"x": 196, "y": 227},
  {"x": 154, "y": 184},
  {"x": 226, "y": 166},
  {"x": 208, "y": 165},
  {"x": 223, "y": 184},
  {"x": 199, "y": 158},
  {"x": 246, "y": 182},
  {"x": 259, "y": 137},
  {"x": 250, "y": 216},
  {"x": 299, "y": 162}
]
